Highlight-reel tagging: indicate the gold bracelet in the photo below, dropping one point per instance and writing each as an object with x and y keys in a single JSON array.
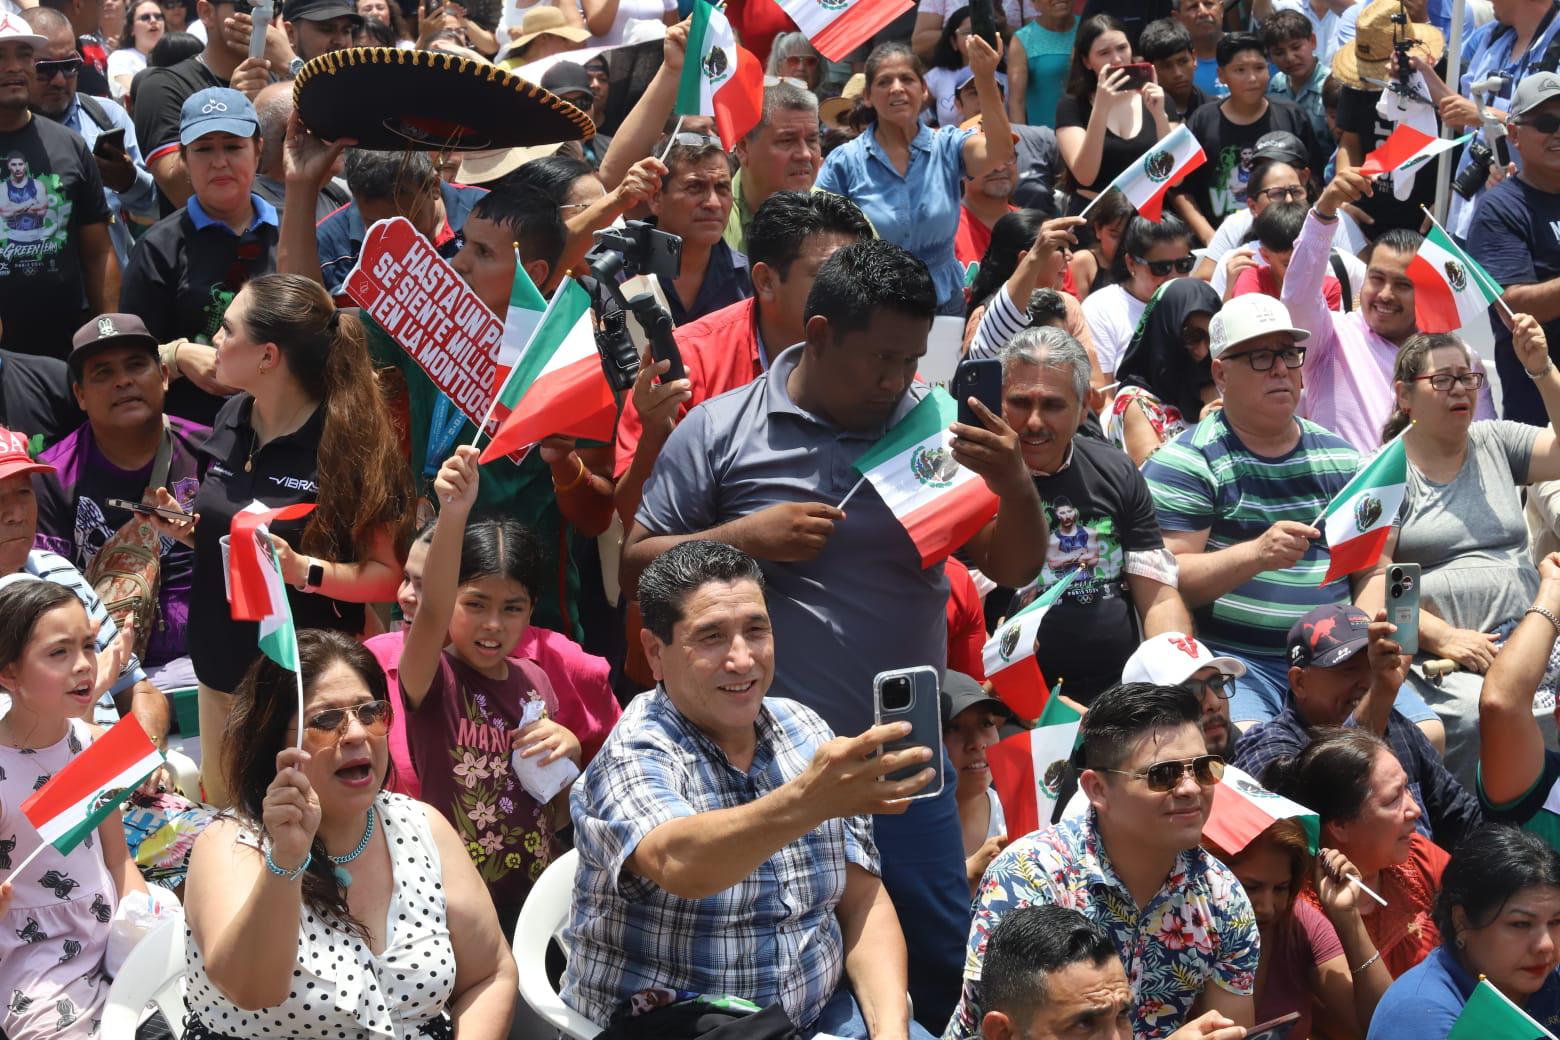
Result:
[{"x": 580, "y": 478}]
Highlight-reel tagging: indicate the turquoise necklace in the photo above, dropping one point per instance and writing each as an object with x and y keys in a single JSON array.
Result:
[{"x": 344, "y": 878}]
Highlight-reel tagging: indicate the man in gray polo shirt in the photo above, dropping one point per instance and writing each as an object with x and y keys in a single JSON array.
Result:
[{"x": 764, "y": 467}]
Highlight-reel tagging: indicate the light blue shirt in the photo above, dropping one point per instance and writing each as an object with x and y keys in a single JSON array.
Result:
[
  {"x": 141, "y": 197},
  {"x": 1206, "y": 79},
  {"x": 1325, "y": 27},
  {"x": 1308, "y": 96},
  {"x": 918, "y": 210}
]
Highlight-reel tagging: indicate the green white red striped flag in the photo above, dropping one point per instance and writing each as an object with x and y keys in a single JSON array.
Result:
[
  {"x": 556, "y": 385},
  {"x": 1243, "y": 809},
  {"x": 1359, "y": 518},
  {"x": 837, "y": 27},
  {"x": 940, "y": 503},
  {"x": 1452, "y": 293},
  {"x": 257, "y": 592},
  {"x": 1407, "y": 149},
  {"x": 720, "y": 78},
  {"x": 1009, "y": 655},
  {"x": 83, "y": 794},
  {"x": 1146, "y": 181},
  {"x": 1027, "y": 769}
]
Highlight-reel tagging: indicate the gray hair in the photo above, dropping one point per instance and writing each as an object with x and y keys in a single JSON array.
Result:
[
  {"x": 784, "y": 97},
  {"x": 789, "y": 45},
  {"x": 273, "y": 110},
  {"x": 1048, "y": 347}
]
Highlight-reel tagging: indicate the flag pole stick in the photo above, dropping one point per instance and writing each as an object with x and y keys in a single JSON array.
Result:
[
  {"x": 1499, "y": 299},
  {"x": 1400, "y": 435},
  {"x": 298, "y": 675},
  {"x": 1363, "y": 887},
  {"x": 853, "y": 488},
  {"x": 24, "y": 864},
  {"x": 671, "y": 140},
  {"x": 493, "y": 404}
]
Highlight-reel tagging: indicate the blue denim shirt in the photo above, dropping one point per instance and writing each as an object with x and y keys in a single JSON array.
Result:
[{"x": 918, "y": 210}]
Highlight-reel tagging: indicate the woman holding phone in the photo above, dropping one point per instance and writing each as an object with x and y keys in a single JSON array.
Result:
[{"x": 1112, "y": 113}]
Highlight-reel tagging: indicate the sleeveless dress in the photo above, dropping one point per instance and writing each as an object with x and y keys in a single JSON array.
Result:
[
  {"x": 53, "y": 938},
  {"x": 340, "y": 989}
]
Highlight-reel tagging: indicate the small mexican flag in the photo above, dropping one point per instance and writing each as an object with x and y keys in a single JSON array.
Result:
[
  {"x": 940, "y": 503},
  {"x": 719, "y": 78},
  {"x": 83, "y": 794},
  {"x": 556, "y": 384},
  {"x": 1359, "y": 518},
  {"x": 1407, "y": 149},
  {"x": 1009, "y": 655},
  {"x": 1145, "y": 182},
  {"x": 1452, "y": 293},
  {"x": 1491, "y": 1015},
  {"x": 256, "y": 590},
  {"x": 1243, "y": 809},
  {"x": 1027, "y": 769},
  {"x": 837, "y": 27},
  {"x": 526, "y": 307}
]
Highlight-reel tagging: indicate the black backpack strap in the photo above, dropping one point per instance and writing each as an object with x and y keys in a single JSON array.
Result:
[
  {"x": 1341, "y": 273},
  {"x": 96, "y": 112}
]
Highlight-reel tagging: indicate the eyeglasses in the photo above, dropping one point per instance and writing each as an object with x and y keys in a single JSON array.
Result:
[
  {"x": 67, "y": 67},
  {"x": 373, "y": 716},
  {"x": 1284, "y": 193},
  {"x": 1546, "y": 123},
  {"x": 1163, "y": 777},
  {"x": 1262, "y": 360},
  {"x": 691, "y": 140},
  {"x": 1160, "y": 268},
  {"x": 1443, "y": 381},
  {"x": 150, "y": 16},
  {"x": 1221, "y": 686}
]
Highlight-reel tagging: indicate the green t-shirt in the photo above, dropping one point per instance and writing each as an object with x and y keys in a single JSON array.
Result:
[{"x": 523, "y": 492}]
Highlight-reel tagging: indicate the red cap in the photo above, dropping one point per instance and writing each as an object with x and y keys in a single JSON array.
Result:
[{"x": 14, "y": 459}]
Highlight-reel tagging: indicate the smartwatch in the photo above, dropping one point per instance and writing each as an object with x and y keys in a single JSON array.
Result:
[{"x": 314, "y": 578}]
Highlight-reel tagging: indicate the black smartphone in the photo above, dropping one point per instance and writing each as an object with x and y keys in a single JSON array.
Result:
[
  {"x": 142, "y": 509},
  {"x": 912, "y": 695},
  {"x": 983, "y": 21},
  {"x": 1273, "y": 1028},
  {"x": 980, "y": 378},
  {"x": 110, "y": 144}
]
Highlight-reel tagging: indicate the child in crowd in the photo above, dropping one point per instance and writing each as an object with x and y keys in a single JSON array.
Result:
[
  {"x": 464, "y": 696},
  {"x": 1168, "y": 45},
  {"x": 54, "y": 930},
  {"x": 971, "y": 717},
  {"x": 1092, "y": 268},
  {"x": 1291, "y": 46}
]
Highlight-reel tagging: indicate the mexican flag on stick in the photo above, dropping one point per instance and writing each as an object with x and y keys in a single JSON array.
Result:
[
  {"x": 1145, "y": 182},
  {"x": 256, "y": 590},
  {"x": 1243, "y": 809},
  {"x": 940, "y": 503},
  {"x": 1009, "y": 655},
  {"x": 1491, "y": 1015},
  {"x": 83, "y": 794},
  {"x": 837, "y": 27},
  {"x": 719, "y": 78},
  {"x": 1359, "y": 518},
  {"x": 556, "y": 384},
  {"x": 1452, "y": 293},
  {"x": 526, "y": 308},
  {"x": 1027, "y": 769},
  {"x": 1407, "y": 149}
]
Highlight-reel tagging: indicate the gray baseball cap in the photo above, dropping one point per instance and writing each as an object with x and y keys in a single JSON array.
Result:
[{"x": 1534, "y": 91}]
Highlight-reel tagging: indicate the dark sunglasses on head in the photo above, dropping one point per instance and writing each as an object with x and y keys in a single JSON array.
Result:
[
  {"x": 1160, "y": 268},
  {"x": 373, "y": 716},
  {"x": 1544, "y": 123},
  {"x": 1163, "y": 777},
  {"x": 67, "y": 67}
]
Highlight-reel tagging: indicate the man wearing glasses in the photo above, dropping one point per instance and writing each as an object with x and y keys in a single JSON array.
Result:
[
  {"x": 1349, "y": 359},
  {"x": 1345, "y": 670},
  {"x": 1134, "y": 866},
  {"x": 1237, "y": 497},
  {"x": 1177, "y": 659}
]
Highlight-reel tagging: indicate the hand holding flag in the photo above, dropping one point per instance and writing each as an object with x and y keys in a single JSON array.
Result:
[
  {"x": 1164, "y": 165},
  {"x": 290, "y": 812}
]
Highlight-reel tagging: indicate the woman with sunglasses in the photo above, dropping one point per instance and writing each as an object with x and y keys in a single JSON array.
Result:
[
  {"x": 144, "y": 26},
  {"x": 1462, "y": 517},
  {"x": 1354, "y": 782},
  {"x": 190, "y": 265},
  {"x": 1312, "y": 933},
  {"x": 1151, "y": 253},
  {"x": 1499, "y": 917},
  {"x": 324, "y": 899},
  {"x": 1165, "y": 377}
]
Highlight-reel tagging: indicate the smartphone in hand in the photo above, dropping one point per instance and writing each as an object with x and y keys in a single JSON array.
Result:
[
  {"x": 1403, "y": 582},
  {"x": 980, "y": 378},
  {"x": 912, "y": 695}
]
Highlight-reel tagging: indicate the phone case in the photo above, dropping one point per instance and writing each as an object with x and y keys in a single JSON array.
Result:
[
  {"x": 980, "y": 378},
  {"x": 925, "y": 717},
  {"x": 1403, "y": 581}
]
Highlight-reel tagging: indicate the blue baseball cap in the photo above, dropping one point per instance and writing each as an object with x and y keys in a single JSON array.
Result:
[{"x": 217, "y": 110}]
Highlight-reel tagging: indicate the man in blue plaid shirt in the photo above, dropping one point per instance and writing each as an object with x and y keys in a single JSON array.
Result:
[{"x": 725, "y": 840}]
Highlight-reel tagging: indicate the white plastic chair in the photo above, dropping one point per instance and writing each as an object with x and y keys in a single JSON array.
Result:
[
  {"x": 150, "y": 975},
  {"x": 542, "y": 920},
  {"x": 943, "y": 348}
]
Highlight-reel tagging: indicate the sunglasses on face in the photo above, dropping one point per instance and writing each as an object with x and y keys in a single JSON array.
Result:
[
  {"x": 150, "y": 16},
  {"x": 1443, "y": 381},
  {"x": 1163, "y": 777},
  {"x": 67, "y": 67},
  {"x": 1262, "y": 360},
  {"x": 331, "y": 724},
  {"x": 1545, "y": 123},
  {"x": 1160, "y": 268},
  {"x": 1221, "y": 686}
]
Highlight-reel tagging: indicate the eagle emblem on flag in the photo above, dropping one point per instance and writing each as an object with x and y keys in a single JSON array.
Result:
[
  {"x": 717, "y": 69},
  {"x": 1367, "y": 510},
  {"x": 934, "y": 466},
  {"x": 1159, "y": 166},
  {"x": 1456, "y": 276}
]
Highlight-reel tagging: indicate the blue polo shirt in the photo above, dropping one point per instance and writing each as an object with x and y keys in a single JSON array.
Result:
[
  {"x": 864, "y": 604},
  {"x": 1423, "y": 1004}
]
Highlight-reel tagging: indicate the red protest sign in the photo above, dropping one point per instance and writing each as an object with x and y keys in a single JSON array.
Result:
[{"x": 430, "y": 312}]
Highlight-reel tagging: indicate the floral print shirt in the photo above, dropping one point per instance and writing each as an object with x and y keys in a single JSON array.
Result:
[{"x": 1197, "y": 929}]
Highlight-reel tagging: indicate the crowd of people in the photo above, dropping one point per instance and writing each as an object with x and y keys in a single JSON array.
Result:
[{"x": 659, "y": 651}]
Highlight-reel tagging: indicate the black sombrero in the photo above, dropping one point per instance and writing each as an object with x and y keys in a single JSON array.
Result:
[{"x": 390, "y": 99}]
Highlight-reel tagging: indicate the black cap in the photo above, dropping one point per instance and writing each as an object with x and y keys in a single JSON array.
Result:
[
  {"x": 104, "y": 331},
  {"x": 565, "y": 78},
  {"x": 1328, "y": 636},
  {"x": 320, "y": 11},
  {"x": 961, "y": 692},
  {"x": 1283, "y": 146}
]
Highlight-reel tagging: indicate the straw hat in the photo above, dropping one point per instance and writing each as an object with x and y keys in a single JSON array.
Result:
[
  {"x": 1369, "y": 54},
  {"x": 547, "y": 20},
  {"x": 488, "y": 166},
  {"x": 833, "y": 111}
]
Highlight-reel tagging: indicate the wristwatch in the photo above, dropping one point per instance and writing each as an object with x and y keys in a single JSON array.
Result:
[
  {"x": 313, "y": 578},
  {"x": 294, "y": 67}
]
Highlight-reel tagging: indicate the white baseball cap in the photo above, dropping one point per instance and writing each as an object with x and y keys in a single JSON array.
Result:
[
  {"x": 1171, "y": 658},
  {"x": 14, "y": 30},
  {"x": 1246, "y": 317}
]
